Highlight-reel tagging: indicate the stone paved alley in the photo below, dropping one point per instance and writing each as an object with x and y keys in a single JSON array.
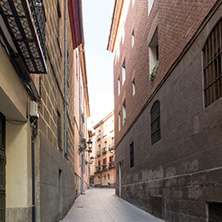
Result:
[{"x": 101, "y": 204}]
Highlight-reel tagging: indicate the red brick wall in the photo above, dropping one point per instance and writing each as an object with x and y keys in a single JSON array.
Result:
[{"x": 177, "y": 21}]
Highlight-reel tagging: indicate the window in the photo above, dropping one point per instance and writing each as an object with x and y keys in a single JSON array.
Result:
[
  {"x": 150, "y": 5},
  {"x": 104, "y": 164},
  {"x": 155, "y": 123},
  {"x": 119, "y": 122},
  {"x": 59, "y": 130},
  {"x": 134, "y": 87},
  {"x": 215, "y": 212},
  {"x": 124, "y": 112},
  {"x": 118, "y": 86},
  {"x": 212, "y": 65},
  {"x": 154, "y": 51},
  {"x": 123, "y": 72},
  {"x": 132, "y": 155},
  {"x": 123, "y": 35},
  {"x": 132, "y": 38},
  {"x": 133, "y": 1},
  {"x": 59, "y": 23},
  {"x": 99, "y": 165}
]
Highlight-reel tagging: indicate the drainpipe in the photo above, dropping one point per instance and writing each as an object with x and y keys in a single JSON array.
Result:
[
  {"x": 65, "y": 77},
  {"x": 33, "y": 175},
  {"x": 34, "y": 129}
]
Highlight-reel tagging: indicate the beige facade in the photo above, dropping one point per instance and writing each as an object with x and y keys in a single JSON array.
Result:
[
  {"x": 102, "y": 171},
  {"x": 43, "y": 109}
]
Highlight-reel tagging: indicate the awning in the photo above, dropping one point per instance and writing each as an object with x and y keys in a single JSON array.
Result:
[{"x": 25, "y": 22}]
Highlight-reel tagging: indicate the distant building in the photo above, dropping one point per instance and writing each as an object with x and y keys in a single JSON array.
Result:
[
  {"x": 102, "y": 171},
  {"x": 43, "y": 99},
  {"x": 167, "y": 109}
]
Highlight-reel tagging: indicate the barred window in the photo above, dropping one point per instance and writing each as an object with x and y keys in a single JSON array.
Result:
[
  {"x": 212, "y": 60},
  {"x": 59, "y": 130},
  {"x": 132, "y": 155},
  {"x": 155, "y": 122},
  {"x": 215, "y": 212}
]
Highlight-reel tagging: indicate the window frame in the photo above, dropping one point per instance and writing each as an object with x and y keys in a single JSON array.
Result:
[
  {"x": 123, "y": 72},
  {"x": 155, "y": 120},
  {"x": 59, "y": 131},
  {"x": 212, "y": 67},
  {"x": 124, "y": 112},
  {"x": 133, "y": 87},
  {"x": 132, "y": 155}
]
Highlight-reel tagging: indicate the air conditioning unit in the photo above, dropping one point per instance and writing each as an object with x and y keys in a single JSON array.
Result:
[{"x": 33, "y": 112}]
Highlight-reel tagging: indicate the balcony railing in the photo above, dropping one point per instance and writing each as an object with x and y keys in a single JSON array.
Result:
[
  {"x": 111, "y": 165},
  {"x": 104, "y": 150},
  {"x": 25, "y": 23},
  {"x": 98, "y": 168},
  {"x": 111, "y": 147},
  {"x": 104, "y": 167}
]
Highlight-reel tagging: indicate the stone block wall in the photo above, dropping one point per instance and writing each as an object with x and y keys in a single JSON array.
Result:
[{"x": 178, "y": 176}]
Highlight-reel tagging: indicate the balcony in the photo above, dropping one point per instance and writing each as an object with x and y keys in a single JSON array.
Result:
[
  {"x": 104, "y": 167},
  {"x": 23, "y": 31},
  {"x": 111, "y": 147},
  {"x": 98, "y": 168},
  {"x": 111, "y": 165},
  {"x": 104, "y": 150}
]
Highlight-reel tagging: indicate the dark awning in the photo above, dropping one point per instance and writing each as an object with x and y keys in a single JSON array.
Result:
[{"x": 21, "y": 18}]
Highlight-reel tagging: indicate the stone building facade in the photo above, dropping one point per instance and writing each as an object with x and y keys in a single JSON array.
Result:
[
  {"x": 102, "y": 172},
  {"x": 41, "y": 64},
  {"x": 167, "y": 90}
]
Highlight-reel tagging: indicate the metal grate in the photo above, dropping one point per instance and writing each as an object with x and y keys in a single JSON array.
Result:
[
  {"x": 25, "y": 23},
  {"x": 212, "y": 54},
  {"x": 132, "y": 155},
  {"x": 215, "y": 212},
  {"x": 155, "y": 122}
]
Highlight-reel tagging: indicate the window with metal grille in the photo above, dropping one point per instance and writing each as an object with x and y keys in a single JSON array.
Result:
[
  {"x": 212, "y": 60},
  {"x": 132, "y": 155},
  {"x": 59, "y": 129},
  {"x": 155, "y": 122},
  {"x": 215, "y": 212}
]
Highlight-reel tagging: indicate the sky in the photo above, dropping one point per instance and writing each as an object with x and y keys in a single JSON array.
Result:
[{"x": 97, "y": 17}]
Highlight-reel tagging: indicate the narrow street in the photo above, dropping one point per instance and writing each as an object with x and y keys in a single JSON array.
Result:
[{"x": 103, "y": 205}]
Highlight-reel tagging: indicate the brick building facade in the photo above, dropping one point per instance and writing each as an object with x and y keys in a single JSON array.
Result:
[{"x": 167, "y": 136}]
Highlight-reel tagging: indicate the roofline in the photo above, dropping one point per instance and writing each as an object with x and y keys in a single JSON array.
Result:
[
  {"x": 84, "y": 77},
  {"x": 103, "y": 120},
  {"x": 117, "y": 11}
]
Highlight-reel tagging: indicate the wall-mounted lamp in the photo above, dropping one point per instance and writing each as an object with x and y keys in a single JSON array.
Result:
[{"x": 82, "y": 149}]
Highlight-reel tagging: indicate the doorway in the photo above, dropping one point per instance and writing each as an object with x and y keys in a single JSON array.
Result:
[
  {"x": 2, "y": 168},
  {"x": 120, "y": 180},
  {"x": 60, "y": 194}
]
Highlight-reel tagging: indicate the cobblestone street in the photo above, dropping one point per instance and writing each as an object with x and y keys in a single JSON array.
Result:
[{"x": 103, "y": 205}]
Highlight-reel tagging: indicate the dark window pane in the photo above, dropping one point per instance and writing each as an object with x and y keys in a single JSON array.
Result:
[
  {"x": 212, "y": 65},
  {"x": 155, "y": 123}
]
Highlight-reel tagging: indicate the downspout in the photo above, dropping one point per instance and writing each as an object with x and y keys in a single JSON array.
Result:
[
  {"x": 34, "y": 130},
  {"x": 65, "y": 77},
  {"x": 33, "y": 175}
]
